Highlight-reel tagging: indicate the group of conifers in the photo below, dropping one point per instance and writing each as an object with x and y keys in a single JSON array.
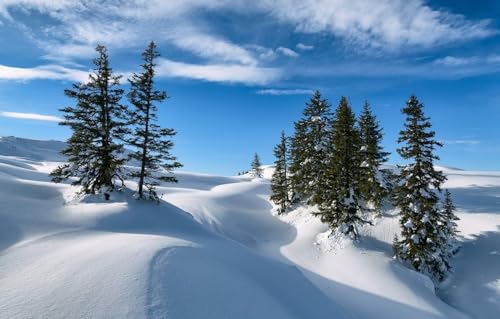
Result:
[
  {"x": 334, "y": 163},
  {"x": 102, "y": 125}
]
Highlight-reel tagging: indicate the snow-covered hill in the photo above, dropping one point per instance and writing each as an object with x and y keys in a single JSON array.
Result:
[
  {"x": 32, "y": 149},
  {"x": 214, "y": 249}
]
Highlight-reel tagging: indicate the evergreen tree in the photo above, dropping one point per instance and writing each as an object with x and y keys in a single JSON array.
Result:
[
  {"x": 279, "y": 182},
  {"x": 257, "y": 170},
  {"x": 371, "y": 184},
  {"x": 152, "y": 142},
  {"x": 95, "y": 157},
  {"x": 448, "y": 229},
  {"x": 308, "y": 150},
  {"x": 339, "y": 206},
  {"x": 416, "y": 195}
]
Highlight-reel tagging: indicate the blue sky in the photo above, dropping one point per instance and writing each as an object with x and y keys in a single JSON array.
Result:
[{"x": 238, "y": 72}]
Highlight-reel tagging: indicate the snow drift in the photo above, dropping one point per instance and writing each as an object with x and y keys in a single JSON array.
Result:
[{"x": 214, "y": 249}]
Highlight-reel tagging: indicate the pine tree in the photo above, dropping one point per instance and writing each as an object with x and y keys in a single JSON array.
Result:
[
  {"x": 371, "y": 183},
  {"x": 448, "y": 229},
  {"x": 153, "y": 143},
  {"x": 257, "y": 170},
  {"x": 308, "y": 150},
  {"x": 416, "y": 195},
  {"x": 280, "y": 183},
  {"x": 95, "y": 157},
  {"x": 339, "y": 206}
]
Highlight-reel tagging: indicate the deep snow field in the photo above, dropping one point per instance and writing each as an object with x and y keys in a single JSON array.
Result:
[{"x": 214, "y": 248}]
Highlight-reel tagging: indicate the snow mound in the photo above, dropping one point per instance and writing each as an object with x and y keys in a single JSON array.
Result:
[
  {"x": 214, "y": 248},
  {"x": 130, "y": 259}
]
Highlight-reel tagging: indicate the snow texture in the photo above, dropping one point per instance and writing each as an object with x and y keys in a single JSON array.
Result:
[{"x": 214, "y": 248}]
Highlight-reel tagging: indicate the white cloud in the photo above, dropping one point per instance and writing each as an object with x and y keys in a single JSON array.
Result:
[
  {"x": 76, "y": 26},
  {"x": 452, "y": 61},
  {"x": 462, "y": 142},
  {"x": 384, "y": 25},
  {"x": 210, "y": 46},
  {"x": 305, "y": 47},
  {"x": 285, "y": 92},
  {"x": 263, "y": 53},
  {"x": 443, "y": 68},
  {"x": 81, "y": 25},
  {"x": 226, "y": 73},
  {"x": 31, "y": 116},
  {"x": 288, "y": 52},
  {"x": 389, "y": 24},
  {"x": 52, "y": 72},
  {"x": 65, "y": 52}
]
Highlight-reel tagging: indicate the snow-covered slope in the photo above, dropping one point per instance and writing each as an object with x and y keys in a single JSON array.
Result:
[
  {"x": 32, "y": 149},
  {"x": 214, "y": 249},
  {"x": 128, "y": 259}
]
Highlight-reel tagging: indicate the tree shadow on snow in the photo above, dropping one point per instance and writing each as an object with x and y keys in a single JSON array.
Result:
[
  {"x": 475, "y": 283},
  {"x": 364, "y": 304},
  {"x": 371, "y": 243},
  {"x": 10, "y": 233},
  {"x": 22, "y": 205},
  {"x": 477, "y": 199},
  {"x": 149, "y": 218}
]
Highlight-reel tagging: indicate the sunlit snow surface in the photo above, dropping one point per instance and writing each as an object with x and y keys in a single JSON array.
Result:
[{"x": 215, "y": 249}]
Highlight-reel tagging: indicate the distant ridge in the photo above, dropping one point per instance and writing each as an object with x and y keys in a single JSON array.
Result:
[
  {"x": 32, "y": 149},
  {"x": 39, "y": 150}
]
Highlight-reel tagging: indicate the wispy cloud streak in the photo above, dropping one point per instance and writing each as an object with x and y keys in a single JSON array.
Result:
[
  {"x": 284, "y": 92},
  {"x": 31, "y": 116}
]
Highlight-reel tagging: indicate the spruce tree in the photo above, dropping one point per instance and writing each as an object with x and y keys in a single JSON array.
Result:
[
  {"x": 416, "y": 195},
  {"x": 371, "y": 184},
  {"x": 95, "y": 154},
  {"x": 279, "y": 182},
  {"x": 448, "y": 229},
  {"x": 340, "y": 206},
  {"x": 257, "y": 170},
  {"x": 308, "y": 150},
  {"x": 153, "y": 143}
]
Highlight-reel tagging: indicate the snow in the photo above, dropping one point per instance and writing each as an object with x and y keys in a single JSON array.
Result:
[
  {"x": 214, "y": 248},
  {"x": 33, "y": 149},
  {"x": 409, "y": 224}
]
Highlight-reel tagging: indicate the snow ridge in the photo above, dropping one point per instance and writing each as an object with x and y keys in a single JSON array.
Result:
[{"x": 214, "y": 248}]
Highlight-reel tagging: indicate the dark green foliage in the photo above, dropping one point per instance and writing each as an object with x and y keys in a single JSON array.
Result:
[
  {"x": 416, "y": 195},
  {"x": 280, "y": 183},
  {"x": 308, "y": 151},
  {"x": 372, "y": 185},
  {"x": 339, "y": 205},
  {"x": 448, "y": 228},
  {"x": 153, "y": 143},
  {"x": 257, "y": 170},
  {"x": 97, "y": 121}
]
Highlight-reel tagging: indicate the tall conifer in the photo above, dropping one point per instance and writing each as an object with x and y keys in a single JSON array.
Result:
[
  {"x": 308, "y": 150},
  {"x": 417, "y": 196},
  {"x": 153, "y": 143},
  {"x": 371, "y": 184},
  {"x": 448, "y": 229},
  {"x": 95, "y": 154},
  {"x": 280, "y": 185},
  {"x": 340, "y": 205}
]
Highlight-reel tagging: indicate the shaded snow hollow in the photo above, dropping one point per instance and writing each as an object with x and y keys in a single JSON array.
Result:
[{"x": 214, "y": 249}]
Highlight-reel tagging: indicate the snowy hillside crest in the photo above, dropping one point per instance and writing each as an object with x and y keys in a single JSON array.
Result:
[{"x": 228, "y": 225}]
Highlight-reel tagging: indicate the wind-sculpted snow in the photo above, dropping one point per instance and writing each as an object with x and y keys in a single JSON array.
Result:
[
  {"x": 213, "y": 248},
  {"x": 66, "y": 258}
]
